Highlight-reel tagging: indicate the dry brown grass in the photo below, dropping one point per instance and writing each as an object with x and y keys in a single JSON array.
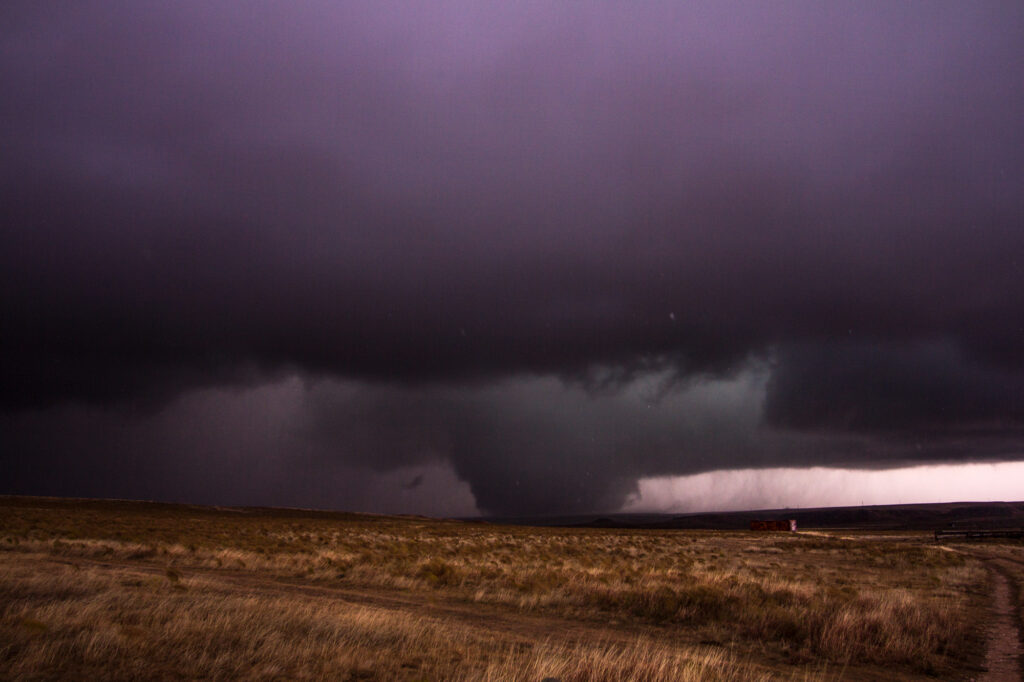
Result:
[
  {"x": 468, "y": 601},
  {"x": 71, "y": 622}
]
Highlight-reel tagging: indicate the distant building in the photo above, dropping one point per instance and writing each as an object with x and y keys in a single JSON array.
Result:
[{"x": 784, "y": 524}]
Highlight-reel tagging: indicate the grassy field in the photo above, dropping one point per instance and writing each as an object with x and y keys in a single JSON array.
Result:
[{"x": 121, "y": 590}]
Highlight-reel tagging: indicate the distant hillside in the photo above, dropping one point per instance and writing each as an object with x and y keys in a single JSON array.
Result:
[
  {"x": 964, "y": 515},
  {"x": 876, "y": 517}
]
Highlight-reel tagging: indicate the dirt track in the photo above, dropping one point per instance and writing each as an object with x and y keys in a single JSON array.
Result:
[
  {"x": 1002, "y": 660},
  {"x": 1004, "y": 655},
  {"x": 511, "y": 626}
]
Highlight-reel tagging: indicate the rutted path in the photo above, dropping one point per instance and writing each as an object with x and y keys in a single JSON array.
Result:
[
  {"x": 491, "y": 617},
  {"x": 1003, "y": 657}
]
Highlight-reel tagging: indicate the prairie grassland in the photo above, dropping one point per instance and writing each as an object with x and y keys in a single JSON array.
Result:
[
  {"x": 73, "y": 622},
  {"x": 124, "y": 590}
]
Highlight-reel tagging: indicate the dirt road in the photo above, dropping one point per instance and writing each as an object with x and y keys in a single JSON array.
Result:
[
  {"x": 1004, "y": 656},
  {"x": 510, "y": 625}
]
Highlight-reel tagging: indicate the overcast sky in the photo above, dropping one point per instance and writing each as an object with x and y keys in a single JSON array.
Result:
[{"x": 522, "y": 257}]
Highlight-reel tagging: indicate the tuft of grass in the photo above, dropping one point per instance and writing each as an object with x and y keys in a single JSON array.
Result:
[
  {"x": 438, "y": 573},
  {"x": 33, "y": 625}
]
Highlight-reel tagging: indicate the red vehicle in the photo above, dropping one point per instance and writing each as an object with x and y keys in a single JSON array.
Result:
[{"x": 784, "y": 524}]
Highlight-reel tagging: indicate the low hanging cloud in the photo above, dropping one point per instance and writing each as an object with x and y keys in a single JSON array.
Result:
[
  {"x": 218, "y": 446},
  {"x": 478, "y": 234},
  {"x": 538, "y": 445},
  {"x": 522, "y": 446},
  {"x": 933, "y": 388}
]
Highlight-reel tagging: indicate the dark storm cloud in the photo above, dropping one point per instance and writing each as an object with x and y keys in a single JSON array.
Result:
[
  {"x": 922, "y": 388},
  {"x": 538, "y": 445},
  {"x": 454, "y": 194},
  {"x": 524, "y": 445},
  {"x": 213, "y": 446}
]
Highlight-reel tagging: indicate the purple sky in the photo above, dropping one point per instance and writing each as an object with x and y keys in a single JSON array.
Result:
[{"x": 516, "y": 257}]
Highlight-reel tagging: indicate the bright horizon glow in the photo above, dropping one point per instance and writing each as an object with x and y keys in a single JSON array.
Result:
[{"x": 792, "y": 487}]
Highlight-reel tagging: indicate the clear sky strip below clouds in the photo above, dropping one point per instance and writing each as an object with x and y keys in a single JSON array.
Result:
[{"x": 791, "y": 488}]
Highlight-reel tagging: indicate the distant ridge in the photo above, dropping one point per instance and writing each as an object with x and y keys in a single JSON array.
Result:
[
  {"x": 875, "y": 517},
  {"x": 935, "y": 516}
]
